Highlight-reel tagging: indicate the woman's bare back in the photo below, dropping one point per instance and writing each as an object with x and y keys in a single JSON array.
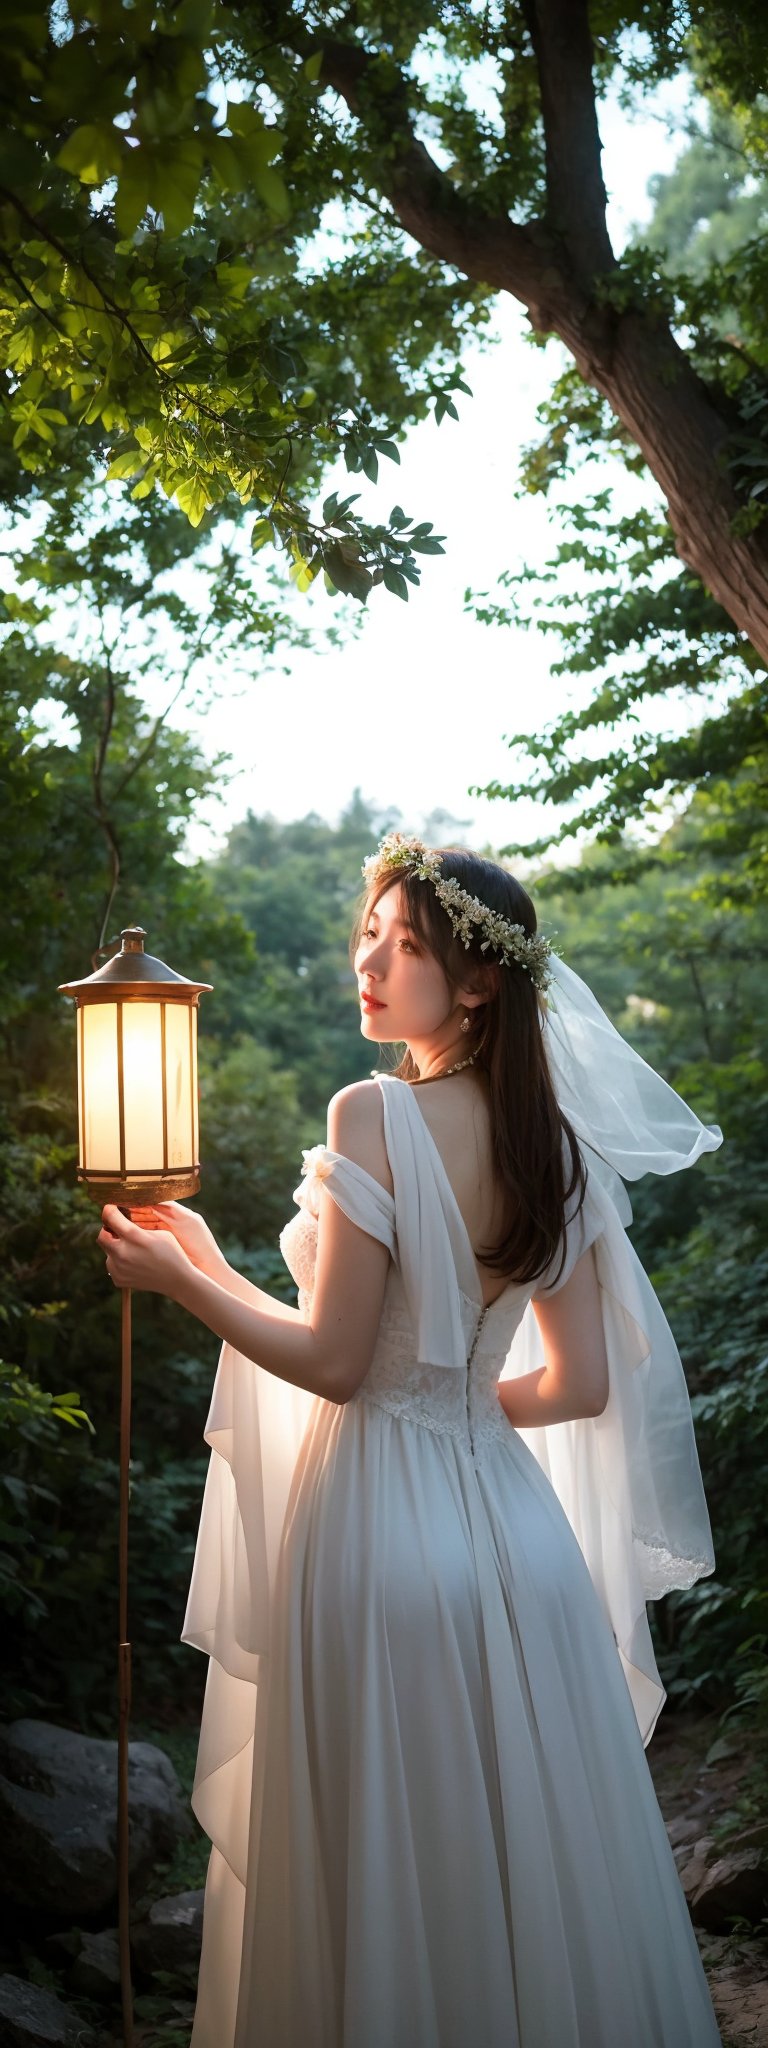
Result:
[{"x": 457, "y": 1113}]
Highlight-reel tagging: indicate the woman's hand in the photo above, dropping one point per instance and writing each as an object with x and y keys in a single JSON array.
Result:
[
  {"x": 190, "y": 1231},
  {"x": 151, "y": 1260}
]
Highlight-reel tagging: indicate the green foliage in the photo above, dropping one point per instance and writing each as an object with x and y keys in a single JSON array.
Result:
[
  {"x": 23, "y": 1399},
  {"x": 110, "y": 787},
  {"x": 207, "y": 292},
  {"x": 155, "y": 327},
  {"x": 674, "y": 699}
]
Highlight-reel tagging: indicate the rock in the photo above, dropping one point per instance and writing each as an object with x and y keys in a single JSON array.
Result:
[
  {"x": 682, "y": 1831},
  {"x": 729, "y": 1881},
  {"x": 96, "y": 1971},
  {"x": 58, "y": 1817},
  {"x": 33, "y": 2018},
  {"x": 692, "y": 1864},
  {"x": 170, "y": 1936},
  {"x": 735, "y": 1886}
]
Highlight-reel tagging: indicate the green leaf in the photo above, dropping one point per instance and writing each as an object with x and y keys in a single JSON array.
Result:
[
  {"x": 193, "y": 499},
  {"x": 244, "y": 119},
  {"x": 410, "y": 569},
  {"x": 271, "y": 189},
  {"x": 146, "y": 483},
  {"x": 313, "y": 66},
  {"x": 125, "y": 465},
  {"x": 347, "y": 576},
  {"x": 303, "y": 574},
  {"x": 133, "y": 189},
  {"x": 262, "y": 532},
  {"x": 395, "y": 581},
  {"x": 227, "y": 167},
  {"x": 175, "y": 184},
  {"x": 93, "y": 153}
]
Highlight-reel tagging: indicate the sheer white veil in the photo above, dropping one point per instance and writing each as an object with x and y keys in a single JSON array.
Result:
[
  {"x": 629, "y": 1479},
  {"x": 623, "y": 1113}
]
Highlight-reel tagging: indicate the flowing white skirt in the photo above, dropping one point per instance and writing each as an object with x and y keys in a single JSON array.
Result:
[{"x": 458, "y": 1843}]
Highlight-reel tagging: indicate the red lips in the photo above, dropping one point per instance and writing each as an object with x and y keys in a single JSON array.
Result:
[{"x": 370, "y": 1003}]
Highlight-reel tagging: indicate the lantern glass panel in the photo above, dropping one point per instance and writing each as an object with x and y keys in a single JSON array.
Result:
[
  {"x": 143, "y": 1087},
  {"x": 179, "y": 1085},
  {"x": 100, "y": 1113},
  {"x": 80, "y": 1088},
  {"x": 195, "y": 1092}
]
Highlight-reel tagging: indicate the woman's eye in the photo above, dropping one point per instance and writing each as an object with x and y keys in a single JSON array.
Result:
[{"x": 370, "y": 934}]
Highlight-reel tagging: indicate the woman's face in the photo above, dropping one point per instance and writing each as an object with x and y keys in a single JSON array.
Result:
[{"x": 413, "y": 1001}]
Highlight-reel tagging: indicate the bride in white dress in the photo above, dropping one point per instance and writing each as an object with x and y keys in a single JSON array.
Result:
[{"x": 441, "y": 1490}]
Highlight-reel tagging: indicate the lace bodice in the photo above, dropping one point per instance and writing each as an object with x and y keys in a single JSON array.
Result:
[{"x": 465, "y": 1405}]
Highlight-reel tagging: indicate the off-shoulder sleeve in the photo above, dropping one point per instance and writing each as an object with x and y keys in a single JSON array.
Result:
[{"x": 363, "y": 1199}]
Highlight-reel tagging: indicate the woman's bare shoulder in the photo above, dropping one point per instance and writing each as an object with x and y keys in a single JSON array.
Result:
[{"x": 356, "y": 1129}]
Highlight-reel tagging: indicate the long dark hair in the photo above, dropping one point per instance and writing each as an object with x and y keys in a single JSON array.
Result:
[{"x": 535, "y": 1148}]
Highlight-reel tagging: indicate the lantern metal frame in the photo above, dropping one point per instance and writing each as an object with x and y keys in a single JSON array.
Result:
[{"x": 132, "y": 976}]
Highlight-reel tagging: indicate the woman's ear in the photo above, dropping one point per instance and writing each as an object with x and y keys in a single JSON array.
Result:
[{"x": 484, "y": 993}]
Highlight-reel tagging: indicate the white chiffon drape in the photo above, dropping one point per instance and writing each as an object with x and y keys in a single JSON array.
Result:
[{"x": 431, "y": 1675}]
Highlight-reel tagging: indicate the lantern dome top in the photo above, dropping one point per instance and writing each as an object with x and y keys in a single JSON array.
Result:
[{"x": 131, "y": 971}]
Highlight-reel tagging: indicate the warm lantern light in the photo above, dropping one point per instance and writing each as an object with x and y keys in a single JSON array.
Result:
[
  {"x": 137, "y": 1077},
  {"x": 137, "y": 1116}
]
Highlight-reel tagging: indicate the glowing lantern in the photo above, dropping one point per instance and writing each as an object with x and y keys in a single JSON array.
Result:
[
  {"x": 137, "y": 1078},
  {"x": 139, "y": 1144}
]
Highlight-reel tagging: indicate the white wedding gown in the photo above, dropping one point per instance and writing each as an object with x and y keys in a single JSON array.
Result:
[{"x": 421, "y": 1760}]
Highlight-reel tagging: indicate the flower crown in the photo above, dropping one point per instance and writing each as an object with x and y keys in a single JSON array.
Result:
[{"x": 512, "y": 941}]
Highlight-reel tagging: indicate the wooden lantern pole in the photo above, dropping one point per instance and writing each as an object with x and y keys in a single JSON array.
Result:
[
  {"x": 124, "y": 1678},
  {"x": 115, "y": 1169}
]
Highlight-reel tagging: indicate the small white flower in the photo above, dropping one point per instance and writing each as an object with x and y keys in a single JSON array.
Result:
[
  {"x": 465, "y": 911},
  {"x": 316, "y": 1163}
]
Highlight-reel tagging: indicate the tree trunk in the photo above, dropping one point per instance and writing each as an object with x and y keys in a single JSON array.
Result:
[
  {"x": 666, "y": 409},
  {"x": 554, "y": 267}
]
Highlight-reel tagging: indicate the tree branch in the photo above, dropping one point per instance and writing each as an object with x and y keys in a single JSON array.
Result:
[
  {"x": 576, "y": 195},
  {"x": 528, "y": 261},
  {"x": 99, "y": 803}
]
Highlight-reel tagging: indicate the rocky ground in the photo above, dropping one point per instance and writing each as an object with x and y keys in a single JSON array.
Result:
[
  {"x": 699, "y": 1782},
  {"x": 59, "y": 1969}
]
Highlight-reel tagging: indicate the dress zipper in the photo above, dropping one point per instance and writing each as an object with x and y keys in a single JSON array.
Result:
[{"x": 481, "y": 1320}]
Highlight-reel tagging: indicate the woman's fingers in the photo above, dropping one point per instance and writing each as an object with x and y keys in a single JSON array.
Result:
[{"x": 115, "y": 1221}]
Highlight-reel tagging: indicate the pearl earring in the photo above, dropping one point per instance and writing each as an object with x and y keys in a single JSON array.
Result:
[{"x": 465, "y": 1025}]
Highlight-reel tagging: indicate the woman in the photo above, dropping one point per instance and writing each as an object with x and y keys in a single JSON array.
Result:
[{"x": 421, "y": 1584}]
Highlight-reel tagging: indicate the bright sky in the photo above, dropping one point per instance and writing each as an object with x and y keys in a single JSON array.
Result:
[{"x": 416, "y": 707}]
